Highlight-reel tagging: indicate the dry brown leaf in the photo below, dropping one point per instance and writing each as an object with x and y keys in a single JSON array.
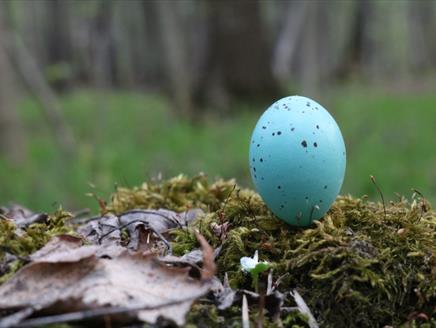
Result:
[
  {"x": 223, "y": 294},
  {"x": 106, "y": 225},
  {"x": 68, "y": 248},
  {"x": 22, "y": 216},
  {"x": 106, "y": 229},
  {"x": 209, "y": 266},
  {"x": 125, "y": 281},
  {"x": 58, "y": 245}
]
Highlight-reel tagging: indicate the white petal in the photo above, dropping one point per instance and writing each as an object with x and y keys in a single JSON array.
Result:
[
  {"x": 248, "y": 263},
  {"x": 256, "y": 256}
]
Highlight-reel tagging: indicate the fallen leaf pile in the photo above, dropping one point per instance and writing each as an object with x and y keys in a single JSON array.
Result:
[{"x": 75, "y": 277}]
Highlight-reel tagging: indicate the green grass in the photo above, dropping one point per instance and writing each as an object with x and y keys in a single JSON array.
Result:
[{"x": 126, "y": 138}]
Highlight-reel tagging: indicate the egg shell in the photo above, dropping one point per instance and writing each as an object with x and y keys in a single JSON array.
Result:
[{"x": 297, "y": 159}]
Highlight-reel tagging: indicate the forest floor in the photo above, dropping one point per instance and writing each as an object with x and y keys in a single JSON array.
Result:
[
  {"x": 169, "y": 251},
  {"x": 125, "y": 137}
]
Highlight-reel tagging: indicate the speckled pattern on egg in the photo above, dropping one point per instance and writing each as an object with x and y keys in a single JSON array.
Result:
[{"x": 297, "y": 159}]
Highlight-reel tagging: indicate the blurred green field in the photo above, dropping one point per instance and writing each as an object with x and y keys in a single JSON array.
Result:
[{"x": 125, "y": 138}]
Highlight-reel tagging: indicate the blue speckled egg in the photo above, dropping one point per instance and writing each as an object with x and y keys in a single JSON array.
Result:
[{"x": 297, "y": 159}]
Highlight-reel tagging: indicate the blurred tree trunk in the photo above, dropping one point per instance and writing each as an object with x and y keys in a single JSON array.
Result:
[
  {"x": 102, "y": 66},
  {"x": 174, "y": 54},
  {"x": 239, "y": 58},
  {"x": 357, "y": 43},
  {"x": 312, "y": 47},
  {"x": 12, "y": 139},
  {"x": 127, "y": 27},
  {"x": 154, "y": 65},
  {"x": 59, "y": 43},
  {"x": 102, "y": 46},
  {"x": 33, "y": 77},
  {"x": 422, "y": 25},
  {"x": 288, "y": 40}
]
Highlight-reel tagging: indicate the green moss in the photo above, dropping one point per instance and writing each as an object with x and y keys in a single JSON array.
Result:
[
  {"x": 179, "y": 193},
  {"x": 30, "y": 239},
  {"x": 356, "y": 268}
]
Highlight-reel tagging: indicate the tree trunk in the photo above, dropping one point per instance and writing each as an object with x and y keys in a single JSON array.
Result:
[
  {"x": 239, "y": 59},
  {"x": 59, "y": 44},
  {"x": 34, "y": 79},
  {"x": 12, "y": 140},
  {"x": 174, "y": 55},
  {"x": 288, "y": 40}
]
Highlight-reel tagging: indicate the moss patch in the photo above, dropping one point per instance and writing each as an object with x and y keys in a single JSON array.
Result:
[
  {"x": 361, "y": 266},
  {"x": 358, "y": 267},
  {"x": 29, "y": 240}
]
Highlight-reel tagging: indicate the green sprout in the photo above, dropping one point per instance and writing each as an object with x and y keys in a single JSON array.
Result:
[{"x": 254, "y": 267}]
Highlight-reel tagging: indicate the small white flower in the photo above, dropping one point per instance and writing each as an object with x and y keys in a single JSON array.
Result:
[{"x": 250, "y": 264}]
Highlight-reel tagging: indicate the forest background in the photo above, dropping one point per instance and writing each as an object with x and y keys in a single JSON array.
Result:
[{"x": 95, "y": 94}]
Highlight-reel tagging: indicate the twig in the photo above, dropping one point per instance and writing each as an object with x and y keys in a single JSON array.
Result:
[
  {"x": 245, "y": 320},
  {"x": 418, "y": 192},
  {"x": 422, "y": 201},
  {"x": 90, "y": 314},
  {"x": 221, "y": 213},
  {"x": 303, "y": 308},
  {"x": 269, "y": 288},
  {"x": 157, "y": 213},
  {"x": 279, "y": 280},
  {"x": 13, "y": 319},
  {"x": 161, "y": 237},
  {"x": 260, "y": 318},
  {"x": 314, "y": 207},
  {"x": 380, "y": 192},
  {"x": 80, "y": 213}
]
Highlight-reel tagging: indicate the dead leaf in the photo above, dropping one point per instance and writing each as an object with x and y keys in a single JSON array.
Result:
[
  {"x": 223, "y": 294},
  {"x": 209, "y": 266},
  {"x": 106, "y": 225},
  {"x": 304, "y": 309},
  {"x": 220, "y": 230},
  {"x": 90, "y": 282},
  {"x": 193, "y": 257},
  {"x": 68, "y": 248},
  {"x": 158, "y": 220},
  {"x": 22, "y": 216},
  {"x": 58, "y": 244},
  {"x": 106, "y": 229}
]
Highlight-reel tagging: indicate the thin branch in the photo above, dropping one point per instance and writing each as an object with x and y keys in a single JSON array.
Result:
[
  {"x": 422, "y": 202},
  {"x": 33, "y": 77},
  {"x": 161, "y": 237},
  {"x": 152, "y": 213},
  {"x": 380, "y": 192},
  {"x": 95, "y": 313},
  {"x": 261, "y": 315},
  {"x": 245, "y": 317}
]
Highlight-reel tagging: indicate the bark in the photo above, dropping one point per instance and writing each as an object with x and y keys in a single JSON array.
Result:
[
  {"x": 288, "y": 40},
  {"x": 33, "y": 78},
  {"x": 59, "y": 43},
  {"x": 174, "y": 54},
  {"x": 239, "y": 57},
  {"x": 12, "y": 139}
]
